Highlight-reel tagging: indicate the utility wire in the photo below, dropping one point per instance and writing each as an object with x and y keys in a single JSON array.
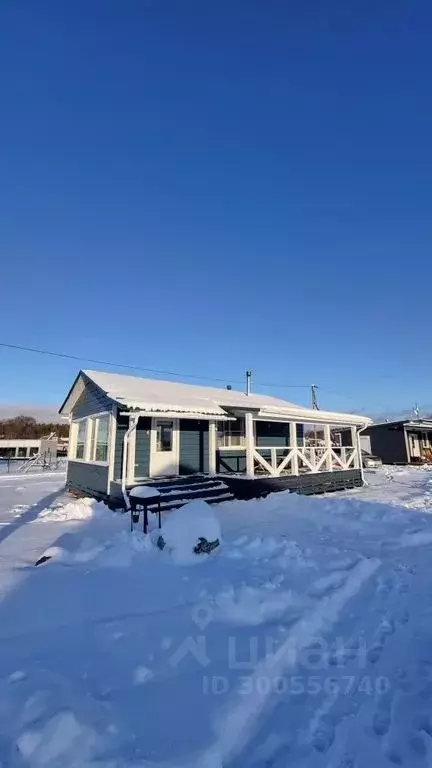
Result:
[{"x": 139, "y": 368}]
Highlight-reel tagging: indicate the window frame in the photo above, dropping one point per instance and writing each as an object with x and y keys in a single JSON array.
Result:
[
  {"x": 227, "y": 430},
  {"x": 76, "y": 427},
  {"x": 91, "y": 438},
  {"x": 164, "y": 424}
]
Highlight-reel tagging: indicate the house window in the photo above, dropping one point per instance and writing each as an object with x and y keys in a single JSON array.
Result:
[
  {"x": 33, "y": 450},
  {"x": 22, "y": 453},
  {"x": 164, "y": 436},
  {"x": 425, "y": 439},
  {"x": 102, "y": 438},
  {"x": 231, "y": 434},
  {"x": 92, "y": 437},
  {"x": 80, "y": 440}
]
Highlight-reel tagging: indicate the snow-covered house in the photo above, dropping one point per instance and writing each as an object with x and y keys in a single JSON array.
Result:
[{"x": 197, "y": 440}]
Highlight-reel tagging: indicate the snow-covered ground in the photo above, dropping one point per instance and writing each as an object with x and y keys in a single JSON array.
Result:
[{"x": 304, "y": 639}]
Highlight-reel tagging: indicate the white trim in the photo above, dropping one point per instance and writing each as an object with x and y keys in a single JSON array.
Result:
[
  {"x": 293, "y": 444},
  {"x": 338, "y": 459},
  {"x": 250, "y": 444},
  {"x": 179, "y": 414},
  {"x": 264, "y": 463},
  {"x": 112, "y": 447},
  {"x": 133, "y": 421},
  {"x": 233, "y": 448},
  {"x": 285, "y": 461},
  {"x": 73, "y": 439},
  {"x": 407, "y": 445},
  {"x": 131, "y": 464},
  {"x": 328, "y": 445},
  {"x": 212, "y": 440}
]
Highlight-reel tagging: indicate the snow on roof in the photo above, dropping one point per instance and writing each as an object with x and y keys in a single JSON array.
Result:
[
  {"x": 172, "y": 397},
  {"x": 155, "y": 395}
]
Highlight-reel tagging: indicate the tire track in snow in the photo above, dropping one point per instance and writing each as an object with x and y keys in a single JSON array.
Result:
[{"x": 238, "y": 721}]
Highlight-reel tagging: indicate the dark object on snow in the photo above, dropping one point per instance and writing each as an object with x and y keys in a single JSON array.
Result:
[
  {"x": 204, "y": 547},
  {"x": 143, "y": 502},
  {"x": 43, "y": 559}
]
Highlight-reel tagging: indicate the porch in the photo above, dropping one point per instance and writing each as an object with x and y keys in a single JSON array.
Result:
[
  {"x": 245, "y": 443},
  {"x": 244, "y": 456},
  {"x": 258, "y": 447},
  {"x": 418, "y": 440}
]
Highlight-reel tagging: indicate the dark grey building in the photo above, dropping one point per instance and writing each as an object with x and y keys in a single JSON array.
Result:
[{"x": 407, "y": 441}]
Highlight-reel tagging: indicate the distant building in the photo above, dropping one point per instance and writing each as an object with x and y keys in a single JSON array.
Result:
[
  {"x": 26, "y": 448},
  {"x": 21, "y": 448},
  {"x": 406, "y": 441}
]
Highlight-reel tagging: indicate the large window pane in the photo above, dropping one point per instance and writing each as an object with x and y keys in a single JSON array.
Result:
[
  {"x": 92, "y": 427},
  {"x": 81, "y": 438},
  {"x": 164, "y": 436},
  {"x": 102, "y": 439}
]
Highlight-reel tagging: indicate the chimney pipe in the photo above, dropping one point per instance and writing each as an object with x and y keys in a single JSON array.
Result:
[{"x": 248, "y": 382}]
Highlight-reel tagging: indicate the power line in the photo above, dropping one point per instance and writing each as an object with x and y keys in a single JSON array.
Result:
[{"x": 155, "y": 371}]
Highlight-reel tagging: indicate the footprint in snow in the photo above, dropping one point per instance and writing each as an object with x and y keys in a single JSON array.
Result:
[
  {"x": 374, "y": 653},
  {"x": 381, "y": 722},
  {"x": 323, "y": 736}
]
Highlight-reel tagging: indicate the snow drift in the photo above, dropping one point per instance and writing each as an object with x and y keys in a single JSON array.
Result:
[{"x": 185, "y": 526}]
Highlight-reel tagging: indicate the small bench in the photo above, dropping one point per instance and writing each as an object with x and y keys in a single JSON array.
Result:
[{"x": 142, "y": 496}]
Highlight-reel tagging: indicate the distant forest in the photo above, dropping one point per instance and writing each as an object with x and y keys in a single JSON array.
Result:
[{"x": 27, "y": 427}]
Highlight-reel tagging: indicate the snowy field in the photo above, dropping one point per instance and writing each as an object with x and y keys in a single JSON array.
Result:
[{"x": 305, "y": 639}]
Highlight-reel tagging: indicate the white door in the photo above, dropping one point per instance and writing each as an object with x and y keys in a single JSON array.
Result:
[
  {"x": 414, "y": 445},
  {"x": 164, "y": 447}
]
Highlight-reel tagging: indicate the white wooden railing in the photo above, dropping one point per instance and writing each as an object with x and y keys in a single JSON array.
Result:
[{"x": 299, "y": 459}]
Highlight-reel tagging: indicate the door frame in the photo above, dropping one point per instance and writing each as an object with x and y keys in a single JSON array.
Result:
[
  {"x": 414, "y": 441},
  {"x": 175, "y": 445}
]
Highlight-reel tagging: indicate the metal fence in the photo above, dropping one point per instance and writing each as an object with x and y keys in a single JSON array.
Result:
[{"x": 11, "y": 466}]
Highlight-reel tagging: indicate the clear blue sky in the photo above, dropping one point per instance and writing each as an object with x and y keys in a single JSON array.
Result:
[{"x": 214, "y": 186}]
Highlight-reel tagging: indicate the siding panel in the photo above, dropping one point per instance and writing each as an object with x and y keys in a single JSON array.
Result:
[
  {"x": 122, "y": 425},
  {"x": 142, "y": 449},
  {"x": 194, "y": 447},
  {"x": 87, "y": 478},
  {"x": 91, "y": 401},
  {"x": 230, "y": 461},
  {"x": 388, "y": 442}
]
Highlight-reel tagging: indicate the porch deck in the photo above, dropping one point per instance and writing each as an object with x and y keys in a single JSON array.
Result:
[{"x": 178, "y": 490}]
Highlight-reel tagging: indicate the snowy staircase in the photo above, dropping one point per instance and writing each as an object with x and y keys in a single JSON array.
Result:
[{"x": 176, "y": 491}]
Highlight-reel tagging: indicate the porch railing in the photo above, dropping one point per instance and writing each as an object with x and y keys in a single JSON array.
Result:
[{"x": 277, "y": 461}]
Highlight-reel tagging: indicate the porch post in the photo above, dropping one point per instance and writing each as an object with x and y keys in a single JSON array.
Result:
[
  {"x": 294, "y": 447},
  {"x": 212, "y": 447},
  {"x": 250, "y": 446},
  {"x": 131, "y": 453},
  {"x": 328, "y": 448},
  {"x": 356, "y": 445},
  {"x": 407, "y": 446}
]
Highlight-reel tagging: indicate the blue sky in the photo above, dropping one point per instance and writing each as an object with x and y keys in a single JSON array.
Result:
[{"x": 209, "y": 187}]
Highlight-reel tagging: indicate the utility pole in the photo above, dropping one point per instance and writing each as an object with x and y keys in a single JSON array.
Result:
[
  {"x": 248, "y": 382},
  {"x": 314, "y": 398}
]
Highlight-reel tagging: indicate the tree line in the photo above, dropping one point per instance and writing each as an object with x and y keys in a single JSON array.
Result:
[{"x": 28, "y": 427}]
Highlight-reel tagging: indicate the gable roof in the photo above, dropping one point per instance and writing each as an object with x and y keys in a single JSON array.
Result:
[{"x": 152, "y": 395}]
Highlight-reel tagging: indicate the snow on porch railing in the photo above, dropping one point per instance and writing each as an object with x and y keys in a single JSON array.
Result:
[{"x": 281, "y": 461}]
